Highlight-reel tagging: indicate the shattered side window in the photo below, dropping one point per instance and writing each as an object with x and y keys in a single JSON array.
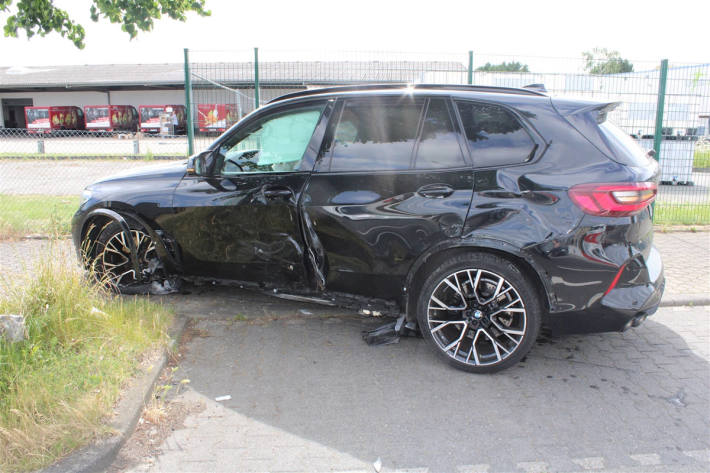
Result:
[{"x": 275, "y": 143}]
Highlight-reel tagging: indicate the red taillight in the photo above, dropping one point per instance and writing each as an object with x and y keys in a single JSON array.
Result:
[{"x": 613, "y": 200}]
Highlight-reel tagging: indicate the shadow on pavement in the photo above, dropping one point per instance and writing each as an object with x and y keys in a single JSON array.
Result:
[{"x": 305, "y": 371}]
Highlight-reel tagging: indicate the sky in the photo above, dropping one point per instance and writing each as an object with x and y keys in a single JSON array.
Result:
[{"x": 308, "y": 30}]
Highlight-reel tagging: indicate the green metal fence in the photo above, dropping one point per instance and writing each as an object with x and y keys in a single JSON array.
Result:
[{"x": 665, "y": 106}]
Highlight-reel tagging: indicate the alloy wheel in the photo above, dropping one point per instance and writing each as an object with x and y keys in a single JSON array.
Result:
[
  {"x": 116, "y": 257},
  {"x": 476, "y": 317}
]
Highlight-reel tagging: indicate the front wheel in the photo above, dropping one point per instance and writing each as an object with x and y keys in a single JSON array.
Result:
[
  {"x": 111, "y": 258},
  {"x": 479, "y": 312}
]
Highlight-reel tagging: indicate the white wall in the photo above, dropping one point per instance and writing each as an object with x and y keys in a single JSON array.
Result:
[
  {"x": 148, "y": 97},
  {"x": 78, "y": 99}
]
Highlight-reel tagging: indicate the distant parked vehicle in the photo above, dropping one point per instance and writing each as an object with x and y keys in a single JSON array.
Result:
[
  {"x": 150, "y": 118},
  {"x": 111, "y": 118},
  {"x": 212, "y": 117},
  {"x": 48, "y": 119}
]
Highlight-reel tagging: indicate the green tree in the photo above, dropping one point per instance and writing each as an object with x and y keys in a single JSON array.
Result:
[
  {"x": 604, "y": 61},
  {"x": 43, "y": 17},
  {"x": 512, "y": 66}
]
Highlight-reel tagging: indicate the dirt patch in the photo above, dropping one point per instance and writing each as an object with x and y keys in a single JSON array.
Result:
[
  {"x": 164, "y": 413},
  {"x": 155, "y": 425}
]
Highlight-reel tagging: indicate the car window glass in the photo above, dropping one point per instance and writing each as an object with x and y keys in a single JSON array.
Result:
[
  {"x": 375, "y": 135},
  {"x": 438, "y": 145},
  {"x": 496, "y": 137},
  {"x": 273, "y": 144}
]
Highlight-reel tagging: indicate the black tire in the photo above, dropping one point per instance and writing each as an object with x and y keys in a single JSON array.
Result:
[
  {"x": 110, "y": 259},
  {"x": 510, "y": 332}
]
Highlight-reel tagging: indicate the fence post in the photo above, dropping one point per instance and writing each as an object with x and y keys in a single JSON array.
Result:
[
  {"x": 470, "y": 67},
  {"x": 660, "y": 105},
  {"x": 256, "y": 78},
  {"x": 188, "y": 106}
]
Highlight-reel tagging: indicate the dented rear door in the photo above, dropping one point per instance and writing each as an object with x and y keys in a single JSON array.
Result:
[{"x": 391, "y": 182}]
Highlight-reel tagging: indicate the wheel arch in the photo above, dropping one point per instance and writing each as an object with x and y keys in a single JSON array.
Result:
[
  {"x": 120, "y": 212},
  {"x": 437, "y": 255}
]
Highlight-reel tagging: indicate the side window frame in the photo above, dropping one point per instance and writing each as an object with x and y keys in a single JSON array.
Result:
[
  {"x": 458, "y": 131},
  {"x": 539, "y": 143},
  {"x": 325, "y": 155},
  {"x": 309, "y": 156}
]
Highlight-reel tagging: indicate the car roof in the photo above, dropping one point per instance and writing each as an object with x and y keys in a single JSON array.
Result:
[{"x": 417, "y": 89}]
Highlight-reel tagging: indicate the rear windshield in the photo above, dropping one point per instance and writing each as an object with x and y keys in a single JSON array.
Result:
[
  {"x": 37, "y": 114},
  {"x": 626, "y": 149},
  {"x": 151, "y": 112},
  {"x": 94, "y": 113}
]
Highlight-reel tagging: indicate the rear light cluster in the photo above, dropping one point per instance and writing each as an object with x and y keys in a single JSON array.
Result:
[{"x": 613, "y": 200}]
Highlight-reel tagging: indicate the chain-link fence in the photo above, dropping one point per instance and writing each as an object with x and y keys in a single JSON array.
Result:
[
  {"x": 224, "y": 86},
  {"x": 679, "y": 93}
]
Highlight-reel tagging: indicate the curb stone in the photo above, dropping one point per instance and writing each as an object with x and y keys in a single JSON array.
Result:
[
  {"x": 669, "y": 300},
  {"x": 97, "y": 457}
]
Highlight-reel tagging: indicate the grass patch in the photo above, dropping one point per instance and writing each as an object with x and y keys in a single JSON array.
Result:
[
  {"x": 701, "y": 158},
  {"x": 58, "y": 386},
  {"x": 44, "y": 214},
  {"x": 681, "y": 214}
]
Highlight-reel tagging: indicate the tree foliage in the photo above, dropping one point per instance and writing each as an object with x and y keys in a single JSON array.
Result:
[
  {"x": 41, "y": 17},
  {"x": 604, "y": 61},
  {"x": 512, "y": 66}
]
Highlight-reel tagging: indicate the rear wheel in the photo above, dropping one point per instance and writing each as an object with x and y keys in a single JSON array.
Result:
[{"x": 479, "y": 312}]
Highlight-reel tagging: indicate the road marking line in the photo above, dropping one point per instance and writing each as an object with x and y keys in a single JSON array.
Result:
[
  {"x": 590, "y": 463},
  {"x": 647, "y": 459},
  {"x": 533, "y": 467}
]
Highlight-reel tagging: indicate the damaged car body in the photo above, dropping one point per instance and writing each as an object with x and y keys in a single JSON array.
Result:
[{"x": 477, "y": 214}]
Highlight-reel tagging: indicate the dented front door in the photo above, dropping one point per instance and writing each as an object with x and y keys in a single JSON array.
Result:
[{"x": 241, "y": 221}]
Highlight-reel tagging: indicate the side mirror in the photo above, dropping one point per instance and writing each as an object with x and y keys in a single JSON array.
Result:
[
  {"x": 651, "y": 153},
  {"x": 196, "y": 165}
]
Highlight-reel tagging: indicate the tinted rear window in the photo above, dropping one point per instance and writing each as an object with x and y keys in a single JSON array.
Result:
[
  {"x": 496, "y": 137},
  {"x": 375, "y": 135},
  {"x": 626, "y": 150},
  {"x": 439, "y": 145}
]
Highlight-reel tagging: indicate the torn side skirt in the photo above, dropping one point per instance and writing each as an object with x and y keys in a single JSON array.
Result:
[{"x": 391, "y": 332}]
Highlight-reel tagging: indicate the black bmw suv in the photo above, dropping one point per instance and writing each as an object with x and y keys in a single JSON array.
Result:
[{"x": 476, "y": 213}]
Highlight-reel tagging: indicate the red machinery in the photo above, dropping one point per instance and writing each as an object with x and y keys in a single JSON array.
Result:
[
  {"x": 47, "y": 119},
  {"x": 111, "y": 118},
  {"x": 212, "y": 117},
  {"x": 150, "y": 118}
]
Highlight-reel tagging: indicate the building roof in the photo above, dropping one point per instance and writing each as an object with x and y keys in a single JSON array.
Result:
[{"x": 131, "y": 76}]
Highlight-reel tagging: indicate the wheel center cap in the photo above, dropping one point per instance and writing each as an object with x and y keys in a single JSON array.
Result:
[{"x": 477, "y": 314}]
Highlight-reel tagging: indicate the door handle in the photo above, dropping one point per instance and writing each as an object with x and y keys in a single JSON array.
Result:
[
  {"x": 277, "y": 191},
  {"x": 435, "y": 191}
]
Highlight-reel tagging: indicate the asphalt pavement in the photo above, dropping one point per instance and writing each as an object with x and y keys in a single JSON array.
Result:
[
  {"x": 306, "y": 394},
  {"x": 301, "y": 392}
]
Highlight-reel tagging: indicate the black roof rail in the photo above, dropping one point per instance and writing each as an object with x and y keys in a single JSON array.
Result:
[{"x": 402, "y": 85}]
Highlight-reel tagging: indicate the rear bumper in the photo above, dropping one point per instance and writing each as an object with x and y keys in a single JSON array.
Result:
[{"x": 616, "y": 310}]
